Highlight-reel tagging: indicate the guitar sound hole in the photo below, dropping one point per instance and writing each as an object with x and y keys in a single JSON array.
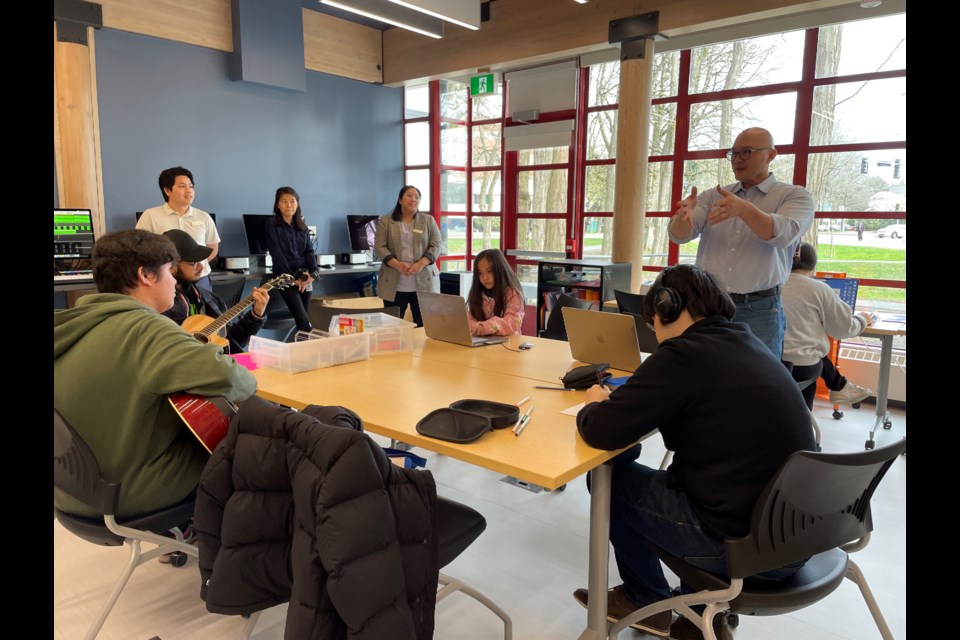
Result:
[{"x": 202, "y": 338}]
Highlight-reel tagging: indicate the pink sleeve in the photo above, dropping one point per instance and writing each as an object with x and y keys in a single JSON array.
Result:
[
  {"x": 513, "y": 316},
  {"x": 476, "y": 327},
  {"x": 507, "y": 325}
]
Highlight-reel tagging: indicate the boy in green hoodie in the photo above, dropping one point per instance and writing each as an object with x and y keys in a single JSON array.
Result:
[{"x": 116, "y": 359}]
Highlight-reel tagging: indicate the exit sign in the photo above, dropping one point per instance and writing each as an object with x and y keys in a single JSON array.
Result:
[{"x": 482, "y": 85}]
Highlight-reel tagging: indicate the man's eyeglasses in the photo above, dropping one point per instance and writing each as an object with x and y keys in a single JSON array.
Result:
[
  {"x": 743, "y": 153},
  {"x": 193, "y": 265}
]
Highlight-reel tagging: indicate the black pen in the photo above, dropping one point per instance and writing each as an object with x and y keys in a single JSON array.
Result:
[{"x": 555, "y": 388}]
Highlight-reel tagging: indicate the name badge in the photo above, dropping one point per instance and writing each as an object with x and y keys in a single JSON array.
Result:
[
  {"x": 418, "y": 231},
  {"x": 197, "y": 223}
]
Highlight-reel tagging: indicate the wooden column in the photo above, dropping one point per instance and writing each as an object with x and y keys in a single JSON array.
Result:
[
  {"x": 630, "y": 201},
  {"x": 76, "y": 128}
]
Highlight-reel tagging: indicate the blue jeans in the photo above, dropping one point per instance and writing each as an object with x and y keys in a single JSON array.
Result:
[
  {"x": 765, "y": 318},
  {"x": 643, "y": 507}
]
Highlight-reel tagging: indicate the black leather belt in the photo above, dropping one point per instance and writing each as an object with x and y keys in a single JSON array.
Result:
[{"x": 766, "y": 293}]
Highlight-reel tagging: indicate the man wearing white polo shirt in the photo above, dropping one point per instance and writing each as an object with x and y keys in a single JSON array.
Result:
[{"x": 177, "y": 212}]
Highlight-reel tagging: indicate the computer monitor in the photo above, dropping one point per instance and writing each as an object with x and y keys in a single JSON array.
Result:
[
  {"x": 213, "y": 217},
  {"x": 363, "y": 232},
  {"x": 73, "y": 239},
  {"x": 253, "y": 226}
]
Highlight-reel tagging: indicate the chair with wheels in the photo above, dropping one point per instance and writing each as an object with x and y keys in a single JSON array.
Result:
[
  {"x": 76, "y": 472},
  {"x": 817, "y": 506},
  {"x": 555, "y": 329},
  {"x": 228, "y": 287}
]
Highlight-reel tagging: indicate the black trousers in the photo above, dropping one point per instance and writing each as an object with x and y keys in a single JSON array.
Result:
[
  {"x": 298, "y": 302},
  {"x": 406, "y": 299},
  {"x": 808, "y": 373}
]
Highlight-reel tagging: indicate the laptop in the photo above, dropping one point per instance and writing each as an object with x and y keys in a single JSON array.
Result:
[
  {"x": 601, "y": 336},
  {"x": 445, "y": 318}
]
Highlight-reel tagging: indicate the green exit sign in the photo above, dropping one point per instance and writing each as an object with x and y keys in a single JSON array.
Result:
[{"x": 482, "y": 85}]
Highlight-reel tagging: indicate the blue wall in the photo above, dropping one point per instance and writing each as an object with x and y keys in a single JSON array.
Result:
[{"x": 164, "y": 104}]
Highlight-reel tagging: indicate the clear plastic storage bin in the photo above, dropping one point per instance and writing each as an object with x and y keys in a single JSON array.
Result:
[
  {"x": 388, "y": 334},
  {"x": 293, "y": 357}
]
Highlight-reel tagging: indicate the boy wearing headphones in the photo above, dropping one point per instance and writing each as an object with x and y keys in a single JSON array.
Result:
[{"x": 730, "y": 412}]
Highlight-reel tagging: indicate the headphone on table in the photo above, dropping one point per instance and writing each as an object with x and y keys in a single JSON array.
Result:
[{"x": 667, "y": 301}]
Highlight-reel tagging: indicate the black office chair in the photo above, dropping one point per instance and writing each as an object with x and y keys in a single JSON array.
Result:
[
  {"x": 629, "y": 302},
  {"x": 816, "y": 506},
  {"x": 321, "y": 314},
  {"x": 457, "y": 527},
  {"x": 555, "y": 329},
  {"x": 228, "y": 286},
  {"x": 77, "y": 473}
]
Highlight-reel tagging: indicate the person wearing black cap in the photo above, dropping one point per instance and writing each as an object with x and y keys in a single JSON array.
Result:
[{"x": 191, "y": 300}]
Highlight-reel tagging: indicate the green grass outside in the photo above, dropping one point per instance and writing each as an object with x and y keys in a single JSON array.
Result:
[
  {"x": 456, "y": 246},
  {"x": 862, "y": 262}
]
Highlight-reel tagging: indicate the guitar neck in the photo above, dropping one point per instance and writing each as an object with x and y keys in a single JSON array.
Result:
[{"x": 231, "y": 313}]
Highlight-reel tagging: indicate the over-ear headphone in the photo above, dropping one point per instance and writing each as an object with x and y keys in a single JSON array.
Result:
[{"x": 667, "y": 301}]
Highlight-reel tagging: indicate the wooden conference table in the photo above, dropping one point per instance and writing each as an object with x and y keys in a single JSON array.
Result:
[
  {"x": 392, "y": 392},
  {"x": 884, "y": 330}
]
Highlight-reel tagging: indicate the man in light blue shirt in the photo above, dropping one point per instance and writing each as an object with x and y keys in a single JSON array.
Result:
[{"x": 748, "y": 232}]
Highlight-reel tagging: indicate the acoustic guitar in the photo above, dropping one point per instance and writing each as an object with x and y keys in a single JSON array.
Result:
[
  {"x": 209, "y": 418},
  {"x": 206, "y": 329}
]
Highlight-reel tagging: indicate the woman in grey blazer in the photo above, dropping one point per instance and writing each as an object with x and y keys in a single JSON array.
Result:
[{"x": 408, "y": 244}]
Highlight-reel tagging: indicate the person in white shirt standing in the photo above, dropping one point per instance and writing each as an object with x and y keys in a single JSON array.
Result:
[
  {"x": 815, "y": 313},
  {"x": 178, "y": 212}
]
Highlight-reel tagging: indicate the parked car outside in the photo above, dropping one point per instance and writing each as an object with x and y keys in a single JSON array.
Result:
[{"x": 893, "y": 230}]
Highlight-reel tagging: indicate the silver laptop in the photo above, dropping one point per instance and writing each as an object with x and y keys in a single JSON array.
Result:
[
  {"x": 445, "y": 318},
  {"x": 601, "y": 336}
]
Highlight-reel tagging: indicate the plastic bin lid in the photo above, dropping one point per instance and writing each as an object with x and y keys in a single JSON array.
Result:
[
  {"x": 453, "y": 425},
  {"x": 501, "y": 415}
]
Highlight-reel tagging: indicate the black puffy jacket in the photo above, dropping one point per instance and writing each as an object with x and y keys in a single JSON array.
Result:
[{"x": 291, "y": 508}]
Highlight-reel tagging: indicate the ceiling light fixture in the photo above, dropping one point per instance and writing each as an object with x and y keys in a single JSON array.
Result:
[
  {"x": 391, "y": 14},
  {"x": 465, "y": 13},
  {"x": 870, "y": 4},
  {"x": 581, "y": 1}
]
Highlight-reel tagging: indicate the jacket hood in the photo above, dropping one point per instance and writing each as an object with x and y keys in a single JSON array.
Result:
[{"x": 70, "y": 325}]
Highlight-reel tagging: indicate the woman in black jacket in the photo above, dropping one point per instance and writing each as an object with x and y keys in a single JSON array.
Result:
[{"x": 289, "y": 244}]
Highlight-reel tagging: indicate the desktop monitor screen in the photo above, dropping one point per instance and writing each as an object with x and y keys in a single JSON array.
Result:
[
  {"x": 213, "y": 217},
  {"x": 253, "y": 226},
  {"x": 73, "y": 239},
  {"x": 363, "y": 232}
]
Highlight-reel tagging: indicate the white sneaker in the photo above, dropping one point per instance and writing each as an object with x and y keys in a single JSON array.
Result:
[{"x": 850, "y": 394}]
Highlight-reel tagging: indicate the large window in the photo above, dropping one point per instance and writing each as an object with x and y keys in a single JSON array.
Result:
[
  {"x": 839, "y": 124},
  {"x": 834, "y": 98}
]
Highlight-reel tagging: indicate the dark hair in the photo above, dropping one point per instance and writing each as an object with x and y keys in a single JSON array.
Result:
[
  {"x": 699, "y": 293},
  {"x": 298, "y": 221},
  {"x": 397, "y": 214},
  {"x": 119, "y": 255},
  {"x": 805, "y": 257},
  {"x": 504, "y": 279},
  {"x": 169, "y": 176}
]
